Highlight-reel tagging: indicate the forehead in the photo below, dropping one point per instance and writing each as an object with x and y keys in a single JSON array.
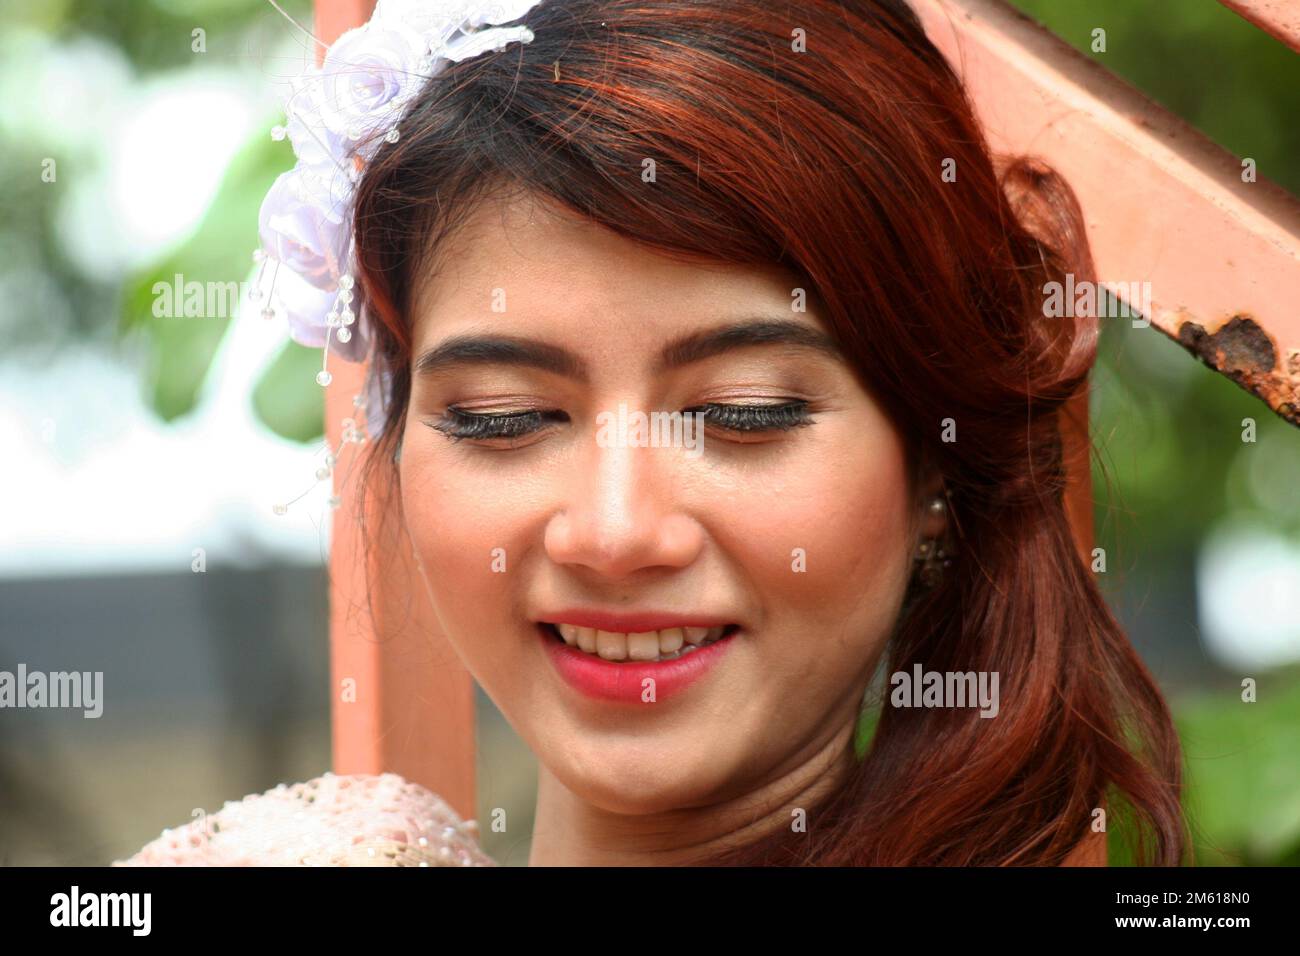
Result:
[{"x": 523, "y": 263}]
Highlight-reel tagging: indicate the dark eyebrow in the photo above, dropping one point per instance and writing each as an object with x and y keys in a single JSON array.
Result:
[
  {"x": 701, "y": 345},
  {"x": 500, "y": 350},
  {"x": 494, "y": 349}
]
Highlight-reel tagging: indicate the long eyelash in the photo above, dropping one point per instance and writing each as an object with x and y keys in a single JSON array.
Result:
[
  {"x": 458, "y": 425},
  {"x": 756, "y": 418}
]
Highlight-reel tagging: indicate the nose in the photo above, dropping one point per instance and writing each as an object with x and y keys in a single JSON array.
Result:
[{"x": 621, "y": 514}]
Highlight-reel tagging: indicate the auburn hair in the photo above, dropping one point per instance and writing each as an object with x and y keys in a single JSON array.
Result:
[{"x": 815, "y": 135}]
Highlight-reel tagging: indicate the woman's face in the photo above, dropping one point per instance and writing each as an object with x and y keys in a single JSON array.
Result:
[{"x": 800, "y": 539}]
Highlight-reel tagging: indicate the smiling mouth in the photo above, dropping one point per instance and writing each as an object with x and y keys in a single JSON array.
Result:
[{"x": 647, "y": 647}]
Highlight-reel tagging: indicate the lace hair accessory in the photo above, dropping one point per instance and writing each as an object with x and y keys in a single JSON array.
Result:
[
  {"x": 338, "y": 117},
  {"x": 350, "y": 820}
]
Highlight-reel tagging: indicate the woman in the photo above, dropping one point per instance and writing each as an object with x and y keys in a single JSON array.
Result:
[{"x": 781, "y": 222}]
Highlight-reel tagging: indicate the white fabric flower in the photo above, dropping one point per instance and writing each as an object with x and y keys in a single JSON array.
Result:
[
  {"x": 369, "y": 77},
  {"x": 300, "y": 231},
  {"x": 439, "y": 19},
  {"x": 498, "y": 11},
  {"x": 435, "y": 19},
  {"x": 313, "y": 143},
  {"x": 481, "y": 41},
  {"x": 339, "y": 116},
  {"x": 307, "y": 309},
  {"x": 327, "y": 188}
]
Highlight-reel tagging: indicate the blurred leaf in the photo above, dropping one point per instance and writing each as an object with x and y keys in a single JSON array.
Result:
[
  {"x": 865, "y": 731},
  {"x": 284, "y": 403},
  {"x": 156, "y": 34},
  {"x": 219, "y": 252},
  {"x": 1243, "y": 773},
  {"x": 1172, "y": 460}
]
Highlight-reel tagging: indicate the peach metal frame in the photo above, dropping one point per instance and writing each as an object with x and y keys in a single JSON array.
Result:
[{"x": 1163, "y": 204}]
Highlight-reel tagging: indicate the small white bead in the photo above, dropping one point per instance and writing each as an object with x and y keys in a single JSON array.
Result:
[
  {"x": 323, "y": 377},
  {"x": 345, "y": 334}
]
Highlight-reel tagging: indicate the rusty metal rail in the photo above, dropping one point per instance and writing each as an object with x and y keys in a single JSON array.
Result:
[
  {"x": 1165, "y": 205},
  {"x": 1280, "y": 18}
]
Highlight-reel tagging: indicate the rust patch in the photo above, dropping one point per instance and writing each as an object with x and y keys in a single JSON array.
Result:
[
  {"x": 1239, "y": 346},
  {"x": 1244, "y": 352}
]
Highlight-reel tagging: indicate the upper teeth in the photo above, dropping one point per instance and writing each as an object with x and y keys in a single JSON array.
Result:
[{"x": 644, "y": 646}]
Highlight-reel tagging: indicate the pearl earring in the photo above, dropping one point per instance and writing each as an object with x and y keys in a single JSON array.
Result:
[{"x": 930, "y": 554}]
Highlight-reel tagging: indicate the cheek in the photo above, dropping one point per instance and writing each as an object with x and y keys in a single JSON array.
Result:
[
  {"x": 469, "y": 535},
  {"x": 826, "y": 540}
]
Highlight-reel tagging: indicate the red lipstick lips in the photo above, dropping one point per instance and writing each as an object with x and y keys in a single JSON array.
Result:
[{"x": 631, "y": 682}]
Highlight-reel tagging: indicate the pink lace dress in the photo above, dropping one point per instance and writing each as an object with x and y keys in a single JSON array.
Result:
[{"x": 331, "y": 820}]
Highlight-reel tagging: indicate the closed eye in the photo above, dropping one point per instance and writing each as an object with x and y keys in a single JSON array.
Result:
[
  {"x": 459, "y": 425},
  {"x": 755, "y": 418}
]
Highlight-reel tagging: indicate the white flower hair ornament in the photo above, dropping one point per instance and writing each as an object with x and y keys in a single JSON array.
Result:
[{"x": 339, "y": 115}]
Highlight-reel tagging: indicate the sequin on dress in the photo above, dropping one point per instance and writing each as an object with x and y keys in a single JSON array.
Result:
[{"x": 331, "y": 820}]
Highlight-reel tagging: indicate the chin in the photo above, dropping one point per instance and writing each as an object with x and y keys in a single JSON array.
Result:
[{"x": 629, "y": 781}]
